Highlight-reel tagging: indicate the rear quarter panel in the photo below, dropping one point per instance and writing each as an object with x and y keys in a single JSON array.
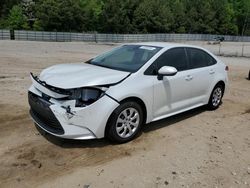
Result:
[{"x": 221, "y": 75}]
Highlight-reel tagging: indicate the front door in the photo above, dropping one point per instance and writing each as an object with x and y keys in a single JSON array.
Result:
[{"x": 173, "y": 93}]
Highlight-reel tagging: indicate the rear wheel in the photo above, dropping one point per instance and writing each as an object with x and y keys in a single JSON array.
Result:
[
  {"x": 125, "y": 122},
  {"x": 216, "y": 97}
]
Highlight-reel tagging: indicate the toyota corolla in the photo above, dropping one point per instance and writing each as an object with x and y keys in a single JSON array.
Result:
[{"x": 114, "y": 94}]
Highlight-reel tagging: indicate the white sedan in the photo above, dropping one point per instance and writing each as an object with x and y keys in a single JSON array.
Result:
[{"x": 114, "y": 94}]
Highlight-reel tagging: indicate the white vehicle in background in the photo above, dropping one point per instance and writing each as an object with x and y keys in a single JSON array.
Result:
[{"x": 114, "y": 94}]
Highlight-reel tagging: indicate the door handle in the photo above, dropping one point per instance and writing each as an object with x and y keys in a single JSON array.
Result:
[
  {"x": 189, "y": 77},
  {"x": 211, "y": 71}
]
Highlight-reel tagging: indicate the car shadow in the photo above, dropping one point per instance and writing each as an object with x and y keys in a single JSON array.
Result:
[
  {"x": 173, "y": 119},
  {"x": 70, "y": 143},
  {"x": 99, "y": 143}
]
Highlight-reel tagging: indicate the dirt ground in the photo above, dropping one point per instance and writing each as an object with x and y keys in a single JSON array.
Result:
[{"x": 198, "y": 148}]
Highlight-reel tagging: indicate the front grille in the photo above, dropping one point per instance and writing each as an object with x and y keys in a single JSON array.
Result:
[{"x": 42, "y": 114}]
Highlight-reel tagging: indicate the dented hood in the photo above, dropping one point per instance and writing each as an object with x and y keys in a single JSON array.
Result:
[{"x": 68, "y": 76}]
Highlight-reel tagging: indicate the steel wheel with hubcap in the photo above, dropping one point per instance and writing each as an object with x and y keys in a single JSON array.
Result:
[{"x": 125, "y": 122}]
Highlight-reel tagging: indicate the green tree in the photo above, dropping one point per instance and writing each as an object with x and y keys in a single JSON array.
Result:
[
  {"x": 16, "y": 19},
  {"x": 200, "y": 17},
  {"x": 129, "y": 16},
  {"x": 225, "y": 17},
  {"x": 92, "y": 12},
  {"x": 6, "y": 6},
  {"x": 242, "y": 12},
  {"x": 60, "y": 15},
  {"x": 178, "y": 10},
  {"x": 117, "y": 16},
  {"x": 37, "y": 26},
  {"x": 153, "y": 16}
]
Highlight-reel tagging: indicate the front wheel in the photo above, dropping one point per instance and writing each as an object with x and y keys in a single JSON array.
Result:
[
  {"x": 216, "y": 97},
  {"x": 125, "y": 122}
]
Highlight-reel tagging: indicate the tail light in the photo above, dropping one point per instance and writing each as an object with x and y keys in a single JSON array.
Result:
[{"x": 227, "y": 68}]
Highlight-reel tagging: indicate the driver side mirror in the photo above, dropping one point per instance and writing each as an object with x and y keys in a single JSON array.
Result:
[{"x": 166, "y": 71}]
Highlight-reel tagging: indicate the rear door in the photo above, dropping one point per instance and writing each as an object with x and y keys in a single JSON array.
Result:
[{"x": 202, "y": 71}]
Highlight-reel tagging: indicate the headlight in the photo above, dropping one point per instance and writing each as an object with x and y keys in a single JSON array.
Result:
[{"x": 86, "y": 96}]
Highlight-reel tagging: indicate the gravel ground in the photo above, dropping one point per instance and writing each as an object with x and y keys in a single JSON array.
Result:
[{"x": 198, "y": 148}]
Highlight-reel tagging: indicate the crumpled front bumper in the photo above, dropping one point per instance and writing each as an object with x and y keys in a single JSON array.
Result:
[{"x": 79, "y": 123}]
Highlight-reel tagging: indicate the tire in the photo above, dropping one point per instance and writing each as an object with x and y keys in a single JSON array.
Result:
[
  {"x": 125, "y": 122},
  {"x": 215, "y": 99}
]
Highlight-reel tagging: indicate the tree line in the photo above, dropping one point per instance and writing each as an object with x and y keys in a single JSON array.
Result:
[{"x": 230, "y": 17}]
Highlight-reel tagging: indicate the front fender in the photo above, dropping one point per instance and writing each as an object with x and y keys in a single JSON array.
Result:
[{"x": 142, "y": 89}]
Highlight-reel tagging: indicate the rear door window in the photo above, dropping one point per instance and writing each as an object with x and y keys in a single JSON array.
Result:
[{"x": 199, "y": 58}]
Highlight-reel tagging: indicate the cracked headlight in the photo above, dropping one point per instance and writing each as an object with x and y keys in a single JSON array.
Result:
[{"x": 86, "y": 96}]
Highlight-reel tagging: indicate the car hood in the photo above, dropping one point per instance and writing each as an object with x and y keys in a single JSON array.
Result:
[{"x": 68, "y": 76}]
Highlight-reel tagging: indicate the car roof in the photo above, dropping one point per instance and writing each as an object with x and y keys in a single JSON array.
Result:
[
  {"x": 165, "y": 44},
  {"x": 168, "y": 45}
]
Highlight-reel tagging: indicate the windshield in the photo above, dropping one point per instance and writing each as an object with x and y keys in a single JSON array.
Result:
[{"x": 129, "y": 58}]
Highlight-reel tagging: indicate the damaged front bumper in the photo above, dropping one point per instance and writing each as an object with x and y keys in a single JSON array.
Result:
[{"x": 59, "y": 117}]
